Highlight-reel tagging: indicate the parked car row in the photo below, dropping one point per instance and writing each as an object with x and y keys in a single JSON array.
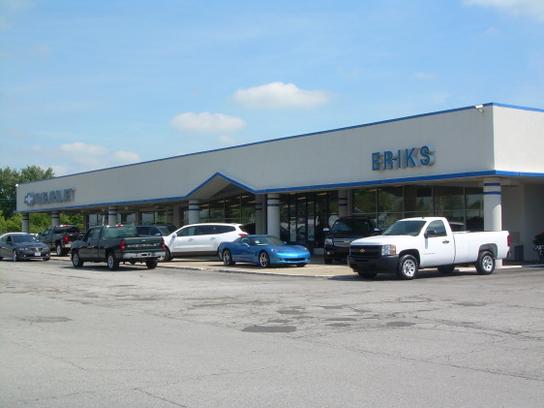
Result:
[{"x": 406, "y": 246}]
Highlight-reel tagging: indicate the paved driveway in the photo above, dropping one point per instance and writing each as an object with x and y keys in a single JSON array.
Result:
[{"x": 200, "y": 338}]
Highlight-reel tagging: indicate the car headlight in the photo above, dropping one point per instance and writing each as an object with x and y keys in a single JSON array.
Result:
[
  {"x": 388, "y": 250},
  {"x": 328, "y": 241}
]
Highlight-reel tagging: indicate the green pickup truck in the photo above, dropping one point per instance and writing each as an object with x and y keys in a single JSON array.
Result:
[{"x": 116, "y": 244}]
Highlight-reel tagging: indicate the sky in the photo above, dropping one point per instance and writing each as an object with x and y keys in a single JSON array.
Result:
[{"x": 94, "y": 84}]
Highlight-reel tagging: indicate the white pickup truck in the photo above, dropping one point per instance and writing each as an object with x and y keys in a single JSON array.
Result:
[{"x": 425, "y": 242}]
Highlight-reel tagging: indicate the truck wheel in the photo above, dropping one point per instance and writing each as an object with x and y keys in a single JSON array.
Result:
[
  {"x": 408, "y": 267},
  {"x": 485, "y": 265},
  {"x": 76, "y": 260},
  {"x": 367, "y": 274},
  {"x": 327, "y": 260},
  {"x": 14, "y": 256},
  {"x": 113, "y": 263},
  {"x": 446, "y": 268},
  {"x": 151, "y": 263},
  {"x": 58, "y": 249},
  {"x": 167, "y": 255}
]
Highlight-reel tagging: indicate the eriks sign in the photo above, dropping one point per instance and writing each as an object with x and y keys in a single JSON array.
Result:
[
  {"x": 55, "y": 196},
  {"x": 403, "y": 158}
]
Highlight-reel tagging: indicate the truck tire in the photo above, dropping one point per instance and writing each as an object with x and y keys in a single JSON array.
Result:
[
  {"x": 446, "y": 268},
  {"x": 485, "y": 265},
  {"x": 408, "y": 267},
  {"x": 167, "y": 255},
  {"x": 113, "y": 263},
  {"x": 58, "y": 249},
  {"x": 76, "y": 260},
  {"x": 151, "y": 263}
]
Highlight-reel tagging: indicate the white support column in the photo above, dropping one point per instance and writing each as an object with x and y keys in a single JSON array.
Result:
[
  {"x": 260, "y": 220},
  {"x": 55, "y": 219},
  {"x": 493, "y": 207},
  {"x": 25, "y": 223},
  {"x": 273, "y": 214},
  {"x": 112, "y": 215},
  {"x": 342, "y": 203},
  {"x": 193, "y": 212}
]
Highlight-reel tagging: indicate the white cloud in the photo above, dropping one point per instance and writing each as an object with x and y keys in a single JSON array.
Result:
[
  {"x": 79, "y": 147},
  {"x": 206, "y": 122},
  {"x": 79, "y": 156},
  {"x": 124, "y": 156},
  {"x": 530, "y": 8},
  {"x": 280, "y": 95}
]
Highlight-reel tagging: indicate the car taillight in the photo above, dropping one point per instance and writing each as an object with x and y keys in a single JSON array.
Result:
[
  {"x": 242, "y": 234},
  {"x": 65, "y": 238},
  {"x": 122, "y": 245},
  {"x": 509, "y": 240},
  {"x": 163, "y": 245}
]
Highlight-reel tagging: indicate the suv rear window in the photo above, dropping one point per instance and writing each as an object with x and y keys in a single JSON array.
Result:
[{"x": 223, "y": 229}]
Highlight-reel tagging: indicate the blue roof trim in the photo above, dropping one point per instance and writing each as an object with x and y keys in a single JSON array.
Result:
[
  {"x": 400, "y": 180},
  {"x": 302, "y": 135},
  {"x": 518, "y": 107}
]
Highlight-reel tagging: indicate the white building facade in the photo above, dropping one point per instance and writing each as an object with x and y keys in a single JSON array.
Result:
[{"x": 480, "y": 165}]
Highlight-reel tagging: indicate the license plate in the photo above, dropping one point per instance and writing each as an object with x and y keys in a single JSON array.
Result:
[{"x": 37, "y": 254}]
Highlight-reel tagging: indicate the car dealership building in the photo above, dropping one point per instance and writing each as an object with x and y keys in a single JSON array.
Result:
[{"x": 480, "y": 165}]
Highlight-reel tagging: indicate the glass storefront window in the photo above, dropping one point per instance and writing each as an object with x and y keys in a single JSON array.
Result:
[
  {"x": 247, "y": 215},
  {"x": 364, "y": 201},
  {"x": 418, "y": 201}
]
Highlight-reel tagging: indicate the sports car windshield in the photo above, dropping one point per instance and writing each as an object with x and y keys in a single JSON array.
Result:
[
  {"x": 23, "y": 238},
  {"x": 412, "y": 227},
  {"x": 265, "y": 241}
]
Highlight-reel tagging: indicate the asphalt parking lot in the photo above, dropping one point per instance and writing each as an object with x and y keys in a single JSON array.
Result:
[{"x": 202, "y": 338}]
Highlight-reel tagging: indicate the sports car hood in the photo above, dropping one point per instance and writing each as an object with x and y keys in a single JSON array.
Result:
[{"x": 288, "y": 248}]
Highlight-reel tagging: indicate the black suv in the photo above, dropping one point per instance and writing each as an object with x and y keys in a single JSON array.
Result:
[{"x": 343, "y": 231}]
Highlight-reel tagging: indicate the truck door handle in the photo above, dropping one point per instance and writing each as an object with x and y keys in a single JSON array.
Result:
[{"x": 446, "y": 242}]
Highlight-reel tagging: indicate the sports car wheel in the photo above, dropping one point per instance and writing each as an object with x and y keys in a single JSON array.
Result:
[
  {"x": 264, "y": 260},
  {"x": 227, "y": 258}
]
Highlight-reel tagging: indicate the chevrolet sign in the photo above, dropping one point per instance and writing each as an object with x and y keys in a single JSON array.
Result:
[{"x": 55, "y": 196}]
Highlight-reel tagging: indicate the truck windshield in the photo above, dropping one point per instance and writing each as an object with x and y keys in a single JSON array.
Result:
[
  {"x": 120, "y": 232},
  {"x": 411, "y": 227},
  {"x": 356, "y": 226}
]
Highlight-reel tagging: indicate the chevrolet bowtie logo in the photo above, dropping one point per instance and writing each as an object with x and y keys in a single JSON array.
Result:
[
  {"x": 29, "y": 199},
  {"x": 362, "y": 250}
]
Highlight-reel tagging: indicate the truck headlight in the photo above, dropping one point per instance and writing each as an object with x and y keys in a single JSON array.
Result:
[
  {"x": 328, "y": 241},
  {"x": 388, "y": 250}
]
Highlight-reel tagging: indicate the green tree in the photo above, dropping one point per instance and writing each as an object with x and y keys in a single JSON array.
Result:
[{"x": 9, "y": 178}]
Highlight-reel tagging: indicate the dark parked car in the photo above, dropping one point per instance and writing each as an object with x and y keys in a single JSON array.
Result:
[
  {"x": 18, "y": 246},
  {"x": 60, "y": 238},
  {"x": 116, "y": 244},
  {"x": 343, "y": 231}
]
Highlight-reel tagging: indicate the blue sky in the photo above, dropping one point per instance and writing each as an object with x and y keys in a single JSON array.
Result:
[{"x": 86, "y": 85}]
